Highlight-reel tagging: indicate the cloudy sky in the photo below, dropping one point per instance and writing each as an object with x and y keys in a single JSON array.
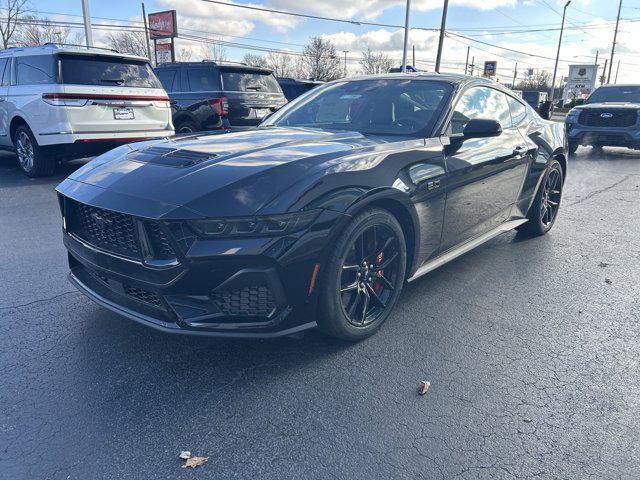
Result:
[{"x": 529, "y": 26}]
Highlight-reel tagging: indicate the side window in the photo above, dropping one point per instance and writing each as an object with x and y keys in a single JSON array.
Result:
[
  {"x": 36, "y": 70},
  {"x": 203, "y": 79},
  {"x": 518, "y": 111},
  {"x": 167, "y": 78},
  {"x": 5, "y": 73},
  {"x": 480, "y": 102}
]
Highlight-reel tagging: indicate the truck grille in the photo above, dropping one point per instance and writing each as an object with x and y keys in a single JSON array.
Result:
[
  {"x": 611, "y": 118},
  {"x": 110, "y": 231}
]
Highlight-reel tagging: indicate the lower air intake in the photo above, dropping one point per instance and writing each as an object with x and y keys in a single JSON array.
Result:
[{"x": 248, "y": 301}]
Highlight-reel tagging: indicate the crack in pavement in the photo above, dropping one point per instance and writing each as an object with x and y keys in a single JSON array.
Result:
[
  {"x": 9, "y": 307},
  {"x": 598, "y": 192}
]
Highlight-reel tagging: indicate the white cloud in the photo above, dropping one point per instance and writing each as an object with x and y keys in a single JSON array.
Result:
[
  {"x": 369, "y": 9},
  {"x": 225, "y": 20}
]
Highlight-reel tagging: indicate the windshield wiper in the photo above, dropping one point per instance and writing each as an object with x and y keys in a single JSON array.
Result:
[{"x": 117, "y": 81}]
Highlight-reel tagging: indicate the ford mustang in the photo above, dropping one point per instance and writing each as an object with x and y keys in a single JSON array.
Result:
[{"x": 319, "y": 216}]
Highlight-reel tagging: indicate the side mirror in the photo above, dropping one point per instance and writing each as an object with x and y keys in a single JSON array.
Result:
[
  {"x": 482, "y": 128},
  {"x": 579, "y": 101}
]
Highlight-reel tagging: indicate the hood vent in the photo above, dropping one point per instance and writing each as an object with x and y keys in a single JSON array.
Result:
[{"x": 171, "y": 157}]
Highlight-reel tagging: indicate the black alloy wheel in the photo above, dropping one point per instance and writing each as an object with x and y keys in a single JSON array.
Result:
[
  {"x": 551, "y": 195},
  {"x": 363, "y": 277},
  {"x": 546, "y": 204}
]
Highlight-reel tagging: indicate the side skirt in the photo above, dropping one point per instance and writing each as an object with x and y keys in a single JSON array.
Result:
[{"x": 466, "y": 247}]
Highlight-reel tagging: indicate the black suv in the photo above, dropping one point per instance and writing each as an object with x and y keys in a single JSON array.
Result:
[
  {"x": 205, "y": 95},
  {"x": 609, "y": 117},
  {"x": 293, "y": 88}
]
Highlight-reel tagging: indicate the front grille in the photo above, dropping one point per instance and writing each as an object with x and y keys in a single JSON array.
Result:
[
  {"x": 247, "y": 301},
  {"x": 162, "y": 249},
  {"x": 611, "y": 118},
  {"x": 110, "y": 231},
  {"x": 142, "y": 295}
]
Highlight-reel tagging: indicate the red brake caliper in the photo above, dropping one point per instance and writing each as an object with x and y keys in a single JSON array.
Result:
[{"x": 377, "y": 285}]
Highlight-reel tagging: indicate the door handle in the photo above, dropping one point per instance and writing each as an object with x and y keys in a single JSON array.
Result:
[{"x": 519, "y": 150}]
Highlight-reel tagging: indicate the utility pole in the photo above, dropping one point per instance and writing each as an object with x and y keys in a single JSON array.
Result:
[
  {"x": 88, "y": 35},
  {"x": 406, "y": 37},
  {"x": 413, "y": 63},
  {"x": 617, "y": 71},
  {"x": 604, "y": 72},
  {"x": 596, "y": 62},
  {"x": 515, "y": 74},
  {"x": 345, "y": 62},
  {"x": 615, "y": 37},
  {"x": 441, "y": 40},
  {"x": 555, "y": 68},
  {"x": 466, "y": 62},
  {"x": 472, "y": 66},
  {"x": 146, "y": 31}
]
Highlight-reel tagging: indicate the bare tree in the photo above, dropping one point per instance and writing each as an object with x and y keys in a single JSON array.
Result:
[
  {"x": 372, "y": 62},
  {"x": 213, "y": 51},
  {"x": 128, "y": 42},
  {"x": 35, "y": 31},
  {"x": 320, "y": 60},
  {"x": 11, "y": 11},
  {"x": 184, "y": 55},
  {"x": 282, "y": 64},
  {"x": 537, "y": 80},
  {"x": 254, "y": 60}
]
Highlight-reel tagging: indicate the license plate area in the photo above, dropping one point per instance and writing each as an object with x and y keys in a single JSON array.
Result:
[
  {"x": 262, "y": 112},
  {"x": 123, "y": 113}
]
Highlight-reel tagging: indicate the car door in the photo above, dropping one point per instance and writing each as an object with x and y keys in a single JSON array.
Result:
[
  {"x": 5, "y": 80},
  {"x": 484, "y": 174}
]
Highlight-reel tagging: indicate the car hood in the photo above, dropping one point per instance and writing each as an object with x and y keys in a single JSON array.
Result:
[
  {"x": 227, "y": 174},
  {"x": 609, "y": 105}
]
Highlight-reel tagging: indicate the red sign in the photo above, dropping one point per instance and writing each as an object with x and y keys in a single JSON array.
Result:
[
  {"x": 163, "y": 25},
  {"x": 164, "y": 53}
]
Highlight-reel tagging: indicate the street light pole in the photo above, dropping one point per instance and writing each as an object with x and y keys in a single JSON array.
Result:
[
  {"x": 441, "y": 40},
  {"x": 615, "y": 37},
  {"x": 87, "y": 23},
  {"x": 555, "y": 68},
  {"x": 406, "y": 37}
]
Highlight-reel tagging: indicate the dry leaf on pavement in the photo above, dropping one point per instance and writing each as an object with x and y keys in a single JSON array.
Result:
[
  {"x": 424, "y": 387},
  {"x": 194, "y": 462},
  {"x": 185, "y": 455}
]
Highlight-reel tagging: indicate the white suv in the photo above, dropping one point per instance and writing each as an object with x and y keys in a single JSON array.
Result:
[{"x": 63, "y": 102}]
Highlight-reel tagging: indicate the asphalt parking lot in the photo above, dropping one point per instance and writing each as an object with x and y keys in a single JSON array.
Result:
[{"x": 532, "y": 348}]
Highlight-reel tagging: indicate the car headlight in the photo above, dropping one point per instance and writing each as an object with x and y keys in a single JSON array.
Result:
[{"x": 260, "y": 226}]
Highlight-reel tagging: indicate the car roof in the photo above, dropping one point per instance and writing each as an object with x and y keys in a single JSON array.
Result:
[
  {"x": 214, "y": 63},
  {"x": 610, "y": 85},
  {"x": 74, "y": 49},
  {"x": 453, "y": 78}
]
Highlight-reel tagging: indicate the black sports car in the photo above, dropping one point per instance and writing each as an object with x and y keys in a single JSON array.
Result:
[{"x": 320, "y": 215}]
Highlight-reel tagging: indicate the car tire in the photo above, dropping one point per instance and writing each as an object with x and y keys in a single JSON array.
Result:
[
  {"x": 546, "y": 204},
  {"x": 32, "y": 160},
  {"x": 363, "y": 276},
  {"x": 573, "y": 147},
  {"x": 186, "y": 128}
]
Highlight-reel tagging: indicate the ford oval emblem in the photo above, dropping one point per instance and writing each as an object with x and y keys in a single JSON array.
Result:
[{"x": 606, "y": 115}]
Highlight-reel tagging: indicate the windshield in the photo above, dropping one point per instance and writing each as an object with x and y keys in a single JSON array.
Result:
[
  {"x": 247, "y": 81},
  {"x": 616, "y": 94},
  {"x": 376, "y": 106},
  {"x": 107, "y": 71}
]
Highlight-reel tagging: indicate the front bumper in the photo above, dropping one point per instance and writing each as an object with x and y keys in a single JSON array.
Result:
[
  {"x": 245, "y": 287},
  {"x": 604, "y": 136},
  {"x": 133, "y": 312}
]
